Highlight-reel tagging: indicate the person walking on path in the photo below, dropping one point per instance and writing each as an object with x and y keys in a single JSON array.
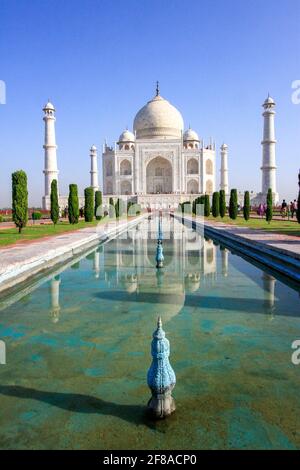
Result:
[
  {"x": 283, "y": 208},
  {"x": 293, "y": 208},
  {"x": 260, "y": 210}
]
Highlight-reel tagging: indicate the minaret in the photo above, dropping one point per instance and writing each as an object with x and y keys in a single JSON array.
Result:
[
  {"x": 224, "y": 169},
  {"x": 94, "y": 168},
  {"x": 50, "y": 171},
  {"x": 268, "y": 154}
]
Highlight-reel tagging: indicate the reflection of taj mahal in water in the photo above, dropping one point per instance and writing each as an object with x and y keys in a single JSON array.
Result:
[{"x": 125, "y": 267}]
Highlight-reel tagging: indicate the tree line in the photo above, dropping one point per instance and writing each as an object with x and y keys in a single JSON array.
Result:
[
  {"x": 92, "y": 203},
  {"x": 218, "y": 206}
]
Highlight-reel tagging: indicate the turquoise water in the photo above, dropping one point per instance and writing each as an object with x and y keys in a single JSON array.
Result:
[{"x": 78, "y": 350}]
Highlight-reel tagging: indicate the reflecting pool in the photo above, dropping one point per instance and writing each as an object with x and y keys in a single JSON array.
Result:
[{"x": 78, "y": 350}]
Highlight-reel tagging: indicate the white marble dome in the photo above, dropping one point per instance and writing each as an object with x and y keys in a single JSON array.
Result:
[
  {"x": 190, "y": 135},
  {"x": 158, "y": 119},
  {"x": 126, "y": 136}
]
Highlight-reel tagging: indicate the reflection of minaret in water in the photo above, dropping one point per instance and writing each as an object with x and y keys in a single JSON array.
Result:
[
  {"x": 96, "y": 264},
  {"x": 54, "y": 291},
  {"x": 224, "y": 257},
  {"x": 269, "y": 292}
]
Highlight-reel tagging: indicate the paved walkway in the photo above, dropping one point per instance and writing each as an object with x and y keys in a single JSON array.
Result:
[
  {"x": 19, "y": 261},
  {"x": 286, "y": 244}
]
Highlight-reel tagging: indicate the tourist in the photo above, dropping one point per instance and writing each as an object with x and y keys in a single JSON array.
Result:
[
  {"x": 260, "y": 210},
  {"x": 283, "y": 208},
  {"x": 293, "y": 208}
]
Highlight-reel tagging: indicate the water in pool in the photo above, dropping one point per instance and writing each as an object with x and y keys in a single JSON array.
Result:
[{"x": 78, "y": 350}]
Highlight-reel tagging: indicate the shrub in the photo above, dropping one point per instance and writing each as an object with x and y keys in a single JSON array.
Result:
[
  {"x": 233, "y": 204},
  {"x": 129, "y": 204},
  {"x": 206, "y": 205},
  {"x": 98, "y": 205},
  {"x": 36, "y": 215},
  {"x": 73, "y": 204},
  {"x": 196, "y": 202},
  {"x": 54, "y": 211},
  {"x": 269, "y": 211},
  {"x": 111, "y": 209},
  {"x": 246, "y": 208},
  {"x": 1, "y": 218},
  {"x": 19, "y": 199},
  {"x": 216, "y": 204},
  {"x": 222, "y": 203},
  {"x": 89, "y": 204},
  {"x": 118, "y": 208}
]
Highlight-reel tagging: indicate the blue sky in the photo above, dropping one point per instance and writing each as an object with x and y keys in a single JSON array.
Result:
[{"x": 98, "y": 62}]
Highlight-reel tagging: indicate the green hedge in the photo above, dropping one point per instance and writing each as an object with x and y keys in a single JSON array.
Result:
[
  {"x": 222, "y": 203},
  {"x": 54, "y": 211},
  {"x": 98, "y": 205},
  {"x": 233, "y": 204},
  {"x": 269, "y": 211},
  {"x": 36, "y": 215},
  {"x": 73, "y": 204},
  {"x": 19, "y": 199},
  {"x": 89, "y": 204},
  {"x": 206, "y": 205},
  {"x": 246, "y": 208},
  {"x": 216, "y": 204}
]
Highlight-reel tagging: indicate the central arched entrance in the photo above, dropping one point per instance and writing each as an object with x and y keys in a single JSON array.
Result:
[{"x": 159, "y": 176}]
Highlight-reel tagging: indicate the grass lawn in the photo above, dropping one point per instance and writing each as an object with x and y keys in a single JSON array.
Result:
[
  {"x": 278, "y": 226},
  {"x": 10, "y": 236}
]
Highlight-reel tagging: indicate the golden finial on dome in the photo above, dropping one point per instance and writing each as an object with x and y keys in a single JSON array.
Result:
[{"x": 157, "y": 88}]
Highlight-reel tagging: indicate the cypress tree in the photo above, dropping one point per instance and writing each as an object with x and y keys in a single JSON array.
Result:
[
  {"x": 233, "y": 204},
  {"x": 194, "y": 206},
  {"x": 98, "y": 205},
  {"x": 196, "y": 203},
  {"x": 129, "y": 204},
  {"x": 206, "y": 205},
  {"x": 89, "y": 204},
  {"x": 73, "y": 204},
  {"x": 216, "y": 204},
  {"x": 246, "y": 208},
  {"x": 54, "y": 206},
  {"x": 269, "y": 211},
  {"x": 117, "y": 208},
  {"x": 19, "y": 199},
  {"x": 222, "y": 203},
  {"x": 111, "y": 209}
]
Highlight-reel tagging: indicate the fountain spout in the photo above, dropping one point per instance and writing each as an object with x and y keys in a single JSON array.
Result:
[{"x": 161, "y": 377}]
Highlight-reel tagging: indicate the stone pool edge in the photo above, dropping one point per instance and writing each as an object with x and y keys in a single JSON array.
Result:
[
  {"x": 272, "y": 257},
  {"x": 17, "y": 272}
]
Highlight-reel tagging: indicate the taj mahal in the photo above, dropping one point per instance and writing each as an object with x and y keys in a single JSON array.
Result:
[
  {"x": 160, "y": 162},
  {"x": 159, "y": 157}
]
